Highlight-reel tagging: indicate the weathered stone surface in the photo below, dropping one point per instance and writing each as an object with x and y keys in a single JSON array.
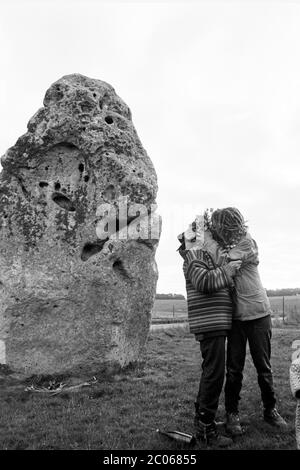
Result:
[{"x": 69, "y": 301}]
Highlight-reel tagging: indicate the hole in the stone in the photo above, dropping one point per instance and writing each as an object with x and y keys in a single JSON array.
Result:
[
  {"x": 58, "y": 93},
  {"x": 24, "y": 190},
  {"x": 86, "y": 178},
  {"x": 64, "y": 145},
  {"x": 57, "y": 186},
  {"x": 118, "y": 266},
  {"x": 94, "y": 95},
  {"x": 43, "y": 184},
  {"x": 46, "y": 167},
  {"x": 63, "y": 201},
  {"x": 109, "y": 119},
  {"x": 81, "y": 167},
  {"x": 109, "y": 192},
  {"x": 91, "y": 249}
]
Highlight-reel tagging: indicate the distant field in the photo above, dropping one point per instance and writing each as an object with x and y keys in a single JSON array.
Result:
[
  {"x": 178, "y": 308},
  {"x": 169, "y": 308},
  {"x": 289, "y": 308}
]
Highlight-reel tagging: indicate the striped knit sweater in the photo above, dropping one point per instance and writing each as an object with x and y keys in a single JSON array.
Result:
[{"x": 210, "y": 306}]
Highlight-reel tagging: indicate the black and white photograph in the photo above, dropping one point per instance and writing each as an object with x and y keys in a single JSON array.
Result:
[{"x": 149, "y": 228}]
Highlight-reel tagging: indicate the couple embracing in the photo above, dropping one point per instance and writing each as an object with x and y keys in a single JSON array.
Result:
[{"x": 226, "y": 300}]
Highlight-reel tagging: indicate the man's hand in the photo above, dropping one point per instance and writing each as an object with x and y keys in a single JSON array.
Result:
[{"x": 233, "y": 267}]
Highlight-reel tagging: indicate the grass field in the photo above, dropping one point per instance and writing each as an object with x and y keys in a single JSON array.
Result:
[
  {"x": 123, "y": 410},
  {"x": 178, "y": 308}
]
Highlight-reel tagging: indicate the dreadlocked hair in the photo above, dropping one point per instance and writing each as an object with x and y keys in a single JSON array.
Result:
[{"x": 227, "y": 226}]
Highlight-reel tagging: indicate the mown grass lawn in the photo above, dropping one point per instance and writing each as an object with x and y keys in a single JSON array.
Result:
[{"x": 123, "y": 410}]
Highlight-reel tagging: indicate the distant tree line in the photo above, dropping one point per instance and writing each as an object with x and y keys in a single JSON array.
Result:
[
  {"x": 282, "y": 292},
  {"x": 170, "y": 296},
  {"x": 270, "y": 293}
]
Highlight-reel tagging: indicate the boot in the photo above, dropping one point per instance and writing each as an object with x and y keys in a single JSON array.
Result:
[
  {"x": 271, "y": 416},
  {"x": 233, "y": 425},
  {"x": 207, "y": 434}
]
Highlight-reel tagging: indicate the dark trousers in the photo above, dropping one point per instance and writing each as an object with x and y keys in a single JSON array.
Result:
[
  {"x": 258, "y": 333},
  {"x": 212, "y": 378}
]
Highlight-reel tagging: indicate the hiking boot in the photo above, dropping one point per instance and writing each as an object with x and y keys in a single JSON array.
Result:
[
  {"x": 207, "y": 434},
  {"x": 272, "y": 417},
  {"x": 233, "y": 425}
]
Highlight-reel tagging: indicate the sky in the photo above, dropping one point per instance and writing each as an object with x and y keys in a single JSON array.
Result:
[{"x": 214, "y": 90}]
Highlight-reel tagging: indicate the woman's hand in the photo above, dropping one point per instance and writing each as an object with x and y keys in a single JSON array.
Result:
[
  {"x": 190, "y": 233},
  {"x": 194, "y": 235},
  {"x": 233, "y": 267}
]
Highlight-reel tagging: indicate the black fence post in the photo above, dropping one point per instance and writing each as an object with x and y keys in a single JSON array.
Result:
[{"x": 283, "y": 318}]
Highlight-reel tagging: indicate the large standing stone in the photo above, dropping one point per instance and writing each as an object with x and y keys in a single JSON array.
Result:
[{"x": 69, "y": 300}]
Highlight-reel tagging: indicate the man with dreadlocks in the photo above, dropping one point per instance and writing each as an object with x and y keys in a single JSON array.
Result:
[
  {"x": 251, "y": 319},
  {"x": 210, "y": 307}
]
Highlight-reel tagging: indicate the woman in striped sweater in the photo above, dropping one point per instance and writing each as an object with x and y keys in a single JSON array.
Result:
[{"x": 209, "y": 278}]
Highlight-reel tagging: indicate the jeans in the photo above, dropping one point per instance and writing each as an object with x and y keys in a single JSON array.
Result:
[
  {"x": 258, "y": 333},
  {"x": 212, "y": 378}
]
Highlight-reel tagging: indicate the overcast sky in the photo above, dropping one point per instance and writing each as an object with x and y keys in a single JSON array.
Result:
[{"x": 214, "y": 89}]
